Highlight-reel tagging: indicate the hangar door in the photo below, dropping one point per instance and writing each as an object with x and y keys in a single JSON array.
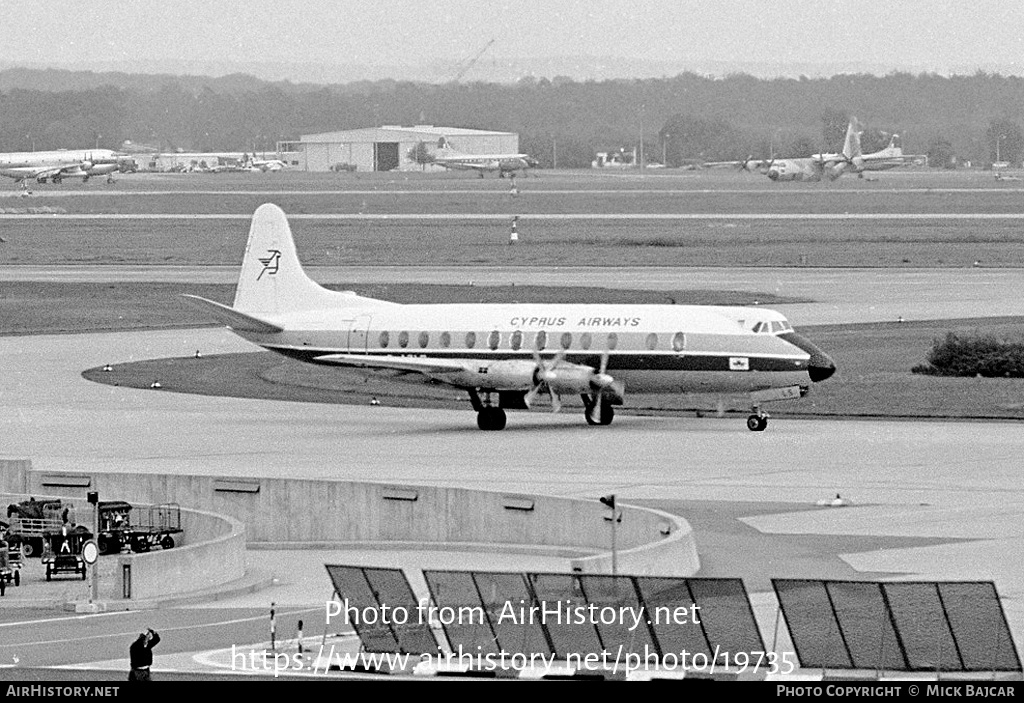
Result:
[{"x": 385, "y": 156}]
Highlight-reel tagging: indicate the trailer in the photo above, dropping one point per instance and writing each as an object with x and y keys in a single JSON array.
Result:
[
  {"x": 124, "y": 528},
  {"x": 31, "y": 519}
]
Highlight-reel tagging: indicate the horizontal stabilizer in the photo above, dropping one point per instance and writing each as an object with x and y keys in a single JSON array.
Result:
[
  {"x": 239, "y": 321},
  {"x": 401, "y": 363}
]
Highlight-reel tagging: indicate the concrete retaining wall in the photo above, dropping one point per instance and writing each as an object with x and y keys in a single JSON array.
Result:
[
  {"x": 209, "y": 553},
  {"x": 344, "y": 512}
]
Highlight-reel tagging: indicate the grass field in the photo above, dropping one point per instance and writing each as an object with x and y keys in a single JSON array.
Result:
[
  {"x": 603, "y": 221},
  {"x": 874, "y": 361}
]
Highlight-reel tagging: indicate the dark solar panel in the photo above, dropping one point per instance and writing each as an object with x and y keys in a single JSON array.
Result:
[
  {"x": 617, "y": 612},
  {"x": 922, "y": 626},
  {"x": 397, "y": 602},
  {"x": 508, "y": 602},
  {"x": 362, "y": 611},
  {"x": 866, "y": 625},
  {"x": 726, "y": 615},
  {"x": 561, "y": 599},
  {"x": 979, "y": 625},
  {"x": 812, "y": 624},
  {"x": 461, "y": 612},
  {"x": 675, "y": 620}
]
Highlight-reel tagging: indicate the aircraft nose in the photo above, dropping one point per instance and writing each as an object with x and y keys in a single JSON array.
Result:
[{"x": 821, "y": 366}]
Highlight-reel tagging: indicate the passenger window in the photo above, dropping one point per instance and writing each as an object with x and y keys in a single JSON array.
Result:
[
  {"x": 403, "y": 339},
  {"x": 516, "y": 340},
  {"x": 613, "y": 341},
  {"x": 652, "y": 341},
  {"x": 541, "y": 340},
  {"x": 494, "y": 339},
  {"x": 384, "y": 339},
  {"x": 585, "y": 340},
  {"x": 566, "y": 340},
  {"x": 424, "y": 339},
  {"x": 446, "y": 340},
  {"x": 679, "y": 342},
  {"x": 470, "y": 340}
]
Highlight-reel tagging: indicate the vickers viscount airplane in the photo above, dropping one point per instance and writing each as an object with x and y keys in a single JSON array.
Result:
[
  {"x": 504, "y": 356},
  {"x": 481, "y": 163}
]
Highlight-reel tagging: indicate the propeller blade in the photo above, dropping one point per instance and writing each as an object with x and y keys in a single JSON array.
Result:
[
  {"x": 542, "y": 377},
  {"x": 531, "y": 395}
]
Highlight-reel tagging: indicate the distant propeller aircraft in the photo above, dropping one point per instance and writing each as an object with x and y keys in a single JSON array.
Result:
[{"x": 829, "y": 165}]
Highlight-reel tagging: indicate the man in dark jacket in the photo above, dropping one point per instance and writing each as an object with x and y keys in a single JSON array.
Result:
[{"x": 141, "y": 654}]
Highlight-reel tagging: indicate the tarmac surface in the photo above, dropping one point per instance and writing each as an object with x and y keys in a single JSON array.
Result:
[{"x": 930, "y": 500}]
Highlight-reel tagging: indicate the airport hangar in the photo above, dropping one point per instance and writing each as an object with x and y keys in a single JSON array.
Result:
[{"x": 388, "y": 148}]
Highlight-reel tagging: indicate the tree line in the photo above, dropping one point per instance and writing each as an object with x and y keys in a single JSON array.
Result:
[{"x": 689, "y": 117}]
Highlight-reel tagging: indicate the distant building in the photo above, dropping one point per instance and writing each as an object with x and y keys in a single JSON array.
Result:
[
  {"x": 615, "y": 159},
  {"x": 388, "y": 148}
]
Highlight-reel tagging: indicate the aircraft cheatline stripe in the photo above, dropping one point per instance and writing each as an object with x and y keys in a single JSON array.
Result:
[
  {"x": 538, "y": 216},
  {"x": 629, "y": 361}
]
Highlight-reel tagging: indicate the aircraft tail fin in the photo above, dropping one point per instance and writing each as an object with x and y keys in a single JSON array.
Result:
[
  {"x": 272, "y": 280},
  {"x": 851, "y": 147}
]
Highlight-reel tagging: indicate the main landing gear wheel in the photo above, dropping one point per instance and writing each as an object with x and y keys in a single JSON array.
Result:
[
  {"x": 491, "y": 419},
  {"x": 606, "y": 415},
  {"x": 757, "y": 423}
]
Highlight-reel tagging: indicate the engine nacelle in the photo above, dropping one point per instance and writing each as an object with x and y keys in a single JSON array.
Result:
[
  {"x": 570, "y": 378},
  {"x": 509, "y": 374}
]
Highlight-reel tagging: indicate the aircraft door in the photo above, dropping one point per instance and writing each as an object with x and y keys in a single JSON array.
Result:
[{"x": 357, "y": 334}]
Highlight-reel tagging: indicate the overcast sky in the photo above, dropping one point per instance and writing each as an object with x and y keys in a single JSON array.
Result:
[{"x": 927, "y": 34}]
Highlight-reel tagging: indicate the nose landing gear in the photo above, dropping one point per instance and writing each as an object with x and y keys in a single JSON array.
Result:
[{"x": 757, "y": 422}]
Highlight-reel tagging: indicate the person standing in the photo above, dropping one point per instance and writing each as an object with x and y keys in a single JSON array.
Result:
[{"x": 141, "y": 655}]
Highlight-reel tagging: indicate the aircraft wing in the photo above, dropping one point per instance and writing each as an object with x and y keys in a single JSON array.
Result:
[
  {"x": 466, "y": 165},
  {"x": 407, "y": 363},
  {"x": 49, "y": 171}
]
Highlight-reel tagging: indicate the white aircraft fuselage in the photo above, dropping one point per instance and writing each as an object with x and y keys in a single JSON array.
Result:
[
  {"x": 56, "y": 165},
  {"x": 518, "y": 351},
  {"x": 486, "y": 163}
]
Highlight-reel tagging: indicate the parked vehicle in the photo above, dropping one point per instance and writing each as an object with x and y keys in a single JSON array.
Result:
[
  {"x": 62, "y": 550},
  {"x": 31, "y": 519}
]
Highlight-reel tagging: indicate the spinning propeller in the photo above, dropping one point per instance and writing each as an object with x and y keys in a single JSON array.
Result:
[
  {"x": 550, "y": 378},
  {"x": 600, "y": 382},
  {"x": 542, "y": 379}
]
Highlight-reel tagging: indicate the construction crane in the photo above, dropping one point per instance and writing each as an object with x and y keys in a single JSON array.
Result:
[{"x": 464, "y": 67}]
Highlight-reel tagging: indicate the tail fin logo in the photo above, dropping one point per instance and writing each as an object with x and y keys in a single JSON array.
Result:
[{"x": 271, "y": 264}]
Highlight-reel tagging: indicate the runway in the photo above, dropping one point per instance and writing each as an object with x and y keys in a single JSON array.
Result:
[
  {"x": 549, "y": 216},
  {"x": 835, "y": 295}
]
